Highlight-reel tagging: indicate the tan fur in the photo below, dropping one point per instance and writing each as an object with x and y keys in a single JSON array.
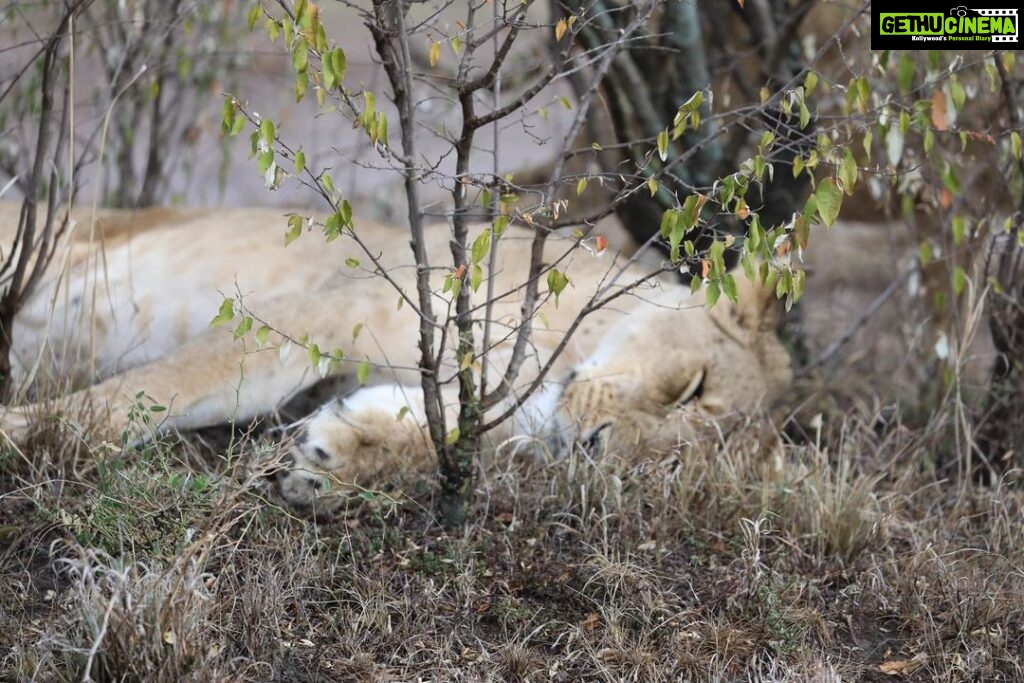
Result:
[{"x": 134, "y": 314}]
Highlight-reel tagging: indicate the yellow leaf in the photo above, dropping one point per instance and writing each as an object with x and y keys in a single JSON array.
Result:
[
  {"x": 435, "y": 52},
  {"x": 560, "y": 29}
]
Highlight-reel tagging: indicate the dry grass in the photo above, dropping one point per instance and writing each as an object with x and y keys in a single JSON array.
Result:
[{"x": 749, "y": 557}]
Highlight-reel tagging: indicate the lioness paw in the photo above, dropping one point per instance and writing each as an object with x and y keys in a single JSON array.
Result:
[{"x": 348, "y": 442}]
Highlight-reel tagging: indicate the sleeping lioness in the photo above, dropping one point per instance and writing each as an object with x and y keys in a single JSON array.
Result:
[{"x": 127, "y": 303}]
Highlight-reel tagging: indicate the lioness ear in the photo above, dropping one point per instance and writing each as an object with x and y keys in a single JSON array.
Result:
[{"x": 758, "y": 309}]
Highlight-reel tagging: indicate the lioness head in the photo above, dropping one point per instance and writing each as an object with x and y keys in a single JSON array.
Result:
[
  {"x": 659, "y": 379},
  {"x": 656, "y": 379}
]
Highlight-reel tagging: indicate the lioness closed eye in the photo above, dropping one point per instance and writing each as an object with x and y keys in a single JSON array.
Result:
[{"x": 648, "y": 368}]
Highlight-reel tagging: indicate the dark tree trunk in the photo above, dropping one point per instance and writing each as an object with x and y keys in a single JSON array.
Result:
[{"x": 1000, "y": 435}]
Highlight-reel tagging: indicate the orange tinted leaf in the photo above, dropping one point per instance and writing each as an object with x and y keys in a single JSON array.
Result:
[
  {"x": 601, "y": 243},
  {"x": 705, "y": 268},
  {"x": 459, "y": 272},
  {"x": 560, "y": 29},
  {"x": 945, "y": 199},
  {"x": 939, "y": 118}
]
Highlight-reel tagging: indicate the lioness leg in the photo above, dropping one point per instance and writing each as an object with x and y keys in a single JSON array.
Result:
[{"x": 216, "y": 378}]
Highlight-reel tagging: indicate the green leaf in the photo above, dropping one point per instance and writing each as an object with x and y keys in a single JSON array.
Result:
[
  {"x": 712, "y": 293},
  {"x": 452, "y": 437},
  {"x": 237, "y": 125},
  {"x": 848, "y": 172},
  {"x": 557, "y": 282},
  {"x": 402, "y": 412},
  {"x": 314, "y": 355},
  {"x": 748, "y": 267},
  {"x": 959, "y": 280},
  {"x": 300, "y": 162},
  {"x": 689, "y": 216},
  {"x": 581, "y": 185},
  {"x": 262, "y": 334},
  {"x": 339, "y": 64},
  {"x": 225, "y": 314},
  {"x": 243, "y": 327},
  {"x": 810, "y": 83},
  {"x": 675, "y": 238},
  {"x": 905, "y": 74},
  {"x": 863, "y": 92},
  {"x": 663, "y": 145},
  {"x": 476, "y": 276},
  {"x": 352, "y": 262},
  {"x": 1015, "y": 144},
  {"x": 799, "y": 280},
  {"x": 294, "y": 229},
  {"x": 300, "y": 55},
  {"x": 956, "y": 92},
  {"x": 925, "y": 253},
  {"x": 729, "y": 287},
  {"x": 805, "y": 115},
  {"x": 754, "y": 236},
  {"x": 500, "y": 223},
  {"x": 253, "y": 16},
  {"x": 363, "y": 372},
  {"x": 669, "y": 219},
  {"x": 264, "y": 160},
  {"x": 828, "y": 199},
  {"x": 227, "y": 117},
  {"x": 481, "y": 246},
  {"x": 267, "y": 131},
  {"x": 959, "y": 229}
]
